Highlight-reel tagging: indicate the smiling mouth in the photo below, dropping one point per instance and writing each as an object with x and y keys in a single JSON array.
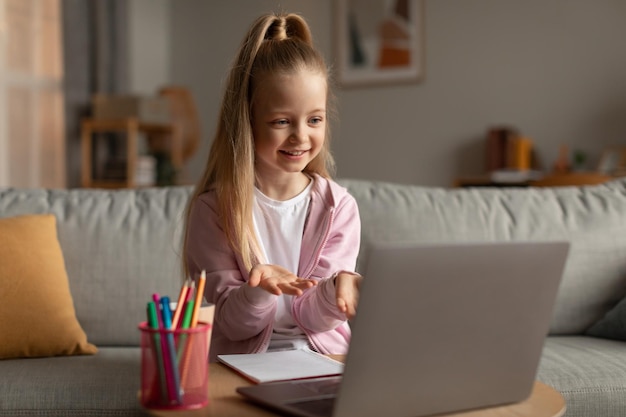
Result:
[{"x": 293, "y": 153}]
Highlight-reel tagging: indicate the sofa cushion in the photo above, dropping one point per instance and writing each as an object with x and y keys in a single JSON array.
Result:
[
  {"x": 120, "y": 246},
  {"x": 105, "y": 384},
  {"x": 588, "y": 372},
  {"x": 612, "y": 325},
  {"x": 37, "y": 315},
  {"x": 590, "y": 217}
]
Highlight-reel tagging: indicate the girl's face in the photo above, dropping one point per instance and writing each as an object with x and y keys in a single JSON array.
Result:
[{"x": 288, "y": 124}]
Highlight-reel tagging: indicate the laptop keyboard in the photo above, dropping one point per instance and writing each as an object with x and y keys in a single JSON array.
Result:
[
  {"x": 322, "y": 386},
  {"x": 323, "y": 394},
  {"x": 318, "y": 407}
]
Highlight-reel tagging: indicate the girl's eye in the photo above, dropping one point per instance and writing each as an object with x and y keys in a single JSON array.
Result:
[
  {"x": 281, "y": 122},
  {"x": 316, "y": 120}
]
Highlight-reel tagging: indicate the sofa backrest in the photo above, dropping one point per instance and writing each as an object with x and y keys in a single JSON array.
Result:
[
  {"x": 592, "y": 218},
  {"x": 120, "y": 246}
]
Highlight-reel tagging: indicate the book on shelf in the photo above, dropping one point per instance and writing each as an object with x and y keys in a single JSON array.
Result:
[{"x": 507, "y": 149}]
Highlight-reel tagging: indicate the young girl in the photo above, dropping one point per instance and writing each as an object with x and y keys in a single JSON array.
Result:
[{"x": 277, "y": 237}]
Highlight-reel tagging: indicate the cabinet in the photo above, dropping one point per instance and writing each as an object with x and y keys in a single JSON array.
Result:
[{"x": 130, "y": 127}]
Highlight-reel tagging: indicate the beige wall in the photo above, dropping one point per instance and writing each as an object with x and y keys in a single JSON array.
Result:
[
  {"x": 554, "y": 69},
  {"x": 149, "y": 45}
]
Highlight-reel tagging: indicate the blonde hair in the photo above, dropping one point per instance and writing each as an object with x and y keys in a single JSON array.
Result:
[{"x": 275, "y": 44}]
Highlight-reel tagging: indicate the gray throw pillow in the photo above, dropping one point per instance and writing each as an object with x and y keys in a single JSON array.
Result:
[{"x": 612, "y": 325}]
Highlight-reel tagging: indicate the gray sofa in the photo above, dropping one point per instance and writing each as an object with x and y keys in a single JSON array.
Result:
[{"x": 120, "y": 246}]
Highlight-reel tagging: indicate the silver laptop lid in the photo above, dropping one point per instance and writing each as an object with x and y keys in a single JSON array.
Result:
[{"x": 449, "y": 327}]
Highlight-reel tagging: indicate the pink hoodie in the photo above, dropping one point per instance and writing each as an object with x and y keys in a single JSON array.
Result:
[{"x": 244, "y": 316}]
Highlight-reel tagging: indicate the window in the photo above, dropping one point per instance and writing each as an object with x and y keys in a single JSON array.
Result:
[{"x": 32, "y": 132}]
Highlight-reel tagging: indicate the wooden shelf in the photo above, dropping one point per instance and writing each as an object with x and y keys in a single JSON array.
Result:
[
  {"x": 485, "y": 181},
  {"x": 549, "y": 180},
  {"x": 131, "y": 127}
]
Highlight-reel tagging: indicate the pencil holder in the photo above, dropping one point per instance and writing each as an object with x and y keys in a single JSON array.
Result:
[{"x": 174, "y": 367}]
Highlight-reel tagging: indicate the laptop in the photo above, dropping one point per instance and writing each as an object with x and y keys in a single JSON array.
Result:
[{"x": 439, "y": 329}]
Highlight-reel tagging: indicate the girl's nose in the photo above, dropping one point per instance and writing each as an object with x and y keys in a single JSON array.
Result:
[{"x": 298, "y": 134}]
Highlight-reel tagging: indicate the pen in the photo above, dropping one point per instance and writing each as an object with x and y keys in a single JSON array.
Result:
[
  {"x": 170, "y": 352},
  {"x": 155, "y": 299},
  {"x": 164, "y": 351},
  {"x": 182, "y": 342},
  {"x": 165, "y": 357},
  {"x": 189, "y": 307},
  {"x": 153, "y": 323}
]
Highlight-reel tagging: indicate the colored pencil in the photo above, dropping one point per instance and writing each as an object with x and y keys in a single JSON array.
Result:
[
  {"x": 184, "y": 369},
  {"x": 180, "y": 304},
  {"x": 182, "y": 341},
  {"x": 198, "y": 301}
]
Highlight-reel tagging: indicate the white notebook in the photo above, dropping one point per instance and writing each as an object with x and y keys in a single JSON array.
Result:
[{"x": 282, "y": 365}]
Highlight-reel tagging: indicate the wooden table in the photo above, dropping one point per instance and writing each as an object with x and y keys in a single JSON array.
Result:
[{"x": 225, "y": 402}]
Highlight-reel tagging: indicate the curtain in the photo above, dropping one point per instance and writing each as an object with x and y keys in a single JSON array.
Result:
[{"x": 32, "y": 138}]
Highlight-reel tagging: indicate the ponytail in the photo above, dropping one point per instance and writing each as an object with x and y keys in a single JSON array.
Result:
[{"x": 274, "y": 44}]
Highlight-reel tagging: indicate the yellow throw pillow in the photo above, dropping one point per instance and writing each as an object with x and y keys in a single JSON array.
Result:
[{"x": 37, "y": 316}]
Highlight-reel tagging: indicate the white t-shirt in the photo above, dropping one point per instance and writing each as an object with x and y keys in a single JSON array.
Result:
[{"x": 279, "y": 226}]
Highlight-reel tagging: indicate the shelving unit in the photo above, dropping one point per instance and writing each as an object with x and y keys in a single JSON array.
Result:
[{"x": 131, "y": 127}]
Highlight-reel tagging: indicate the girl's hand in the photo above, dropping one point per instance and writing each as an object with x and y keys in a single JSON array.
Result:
[
  {"x": 277, "y": 280},
  {"x": 347, "y": 292}
]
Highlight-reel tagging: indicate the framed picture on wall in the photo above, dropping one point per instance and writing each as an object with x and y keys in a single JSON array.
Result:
[{"x": 379, "y": 41}]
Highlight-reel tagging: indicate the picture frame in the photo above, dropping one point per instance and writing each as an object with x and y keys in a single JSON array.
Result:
[
  {"x": 379, "y": 42},
  {"x": 613, "y": 161}
]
